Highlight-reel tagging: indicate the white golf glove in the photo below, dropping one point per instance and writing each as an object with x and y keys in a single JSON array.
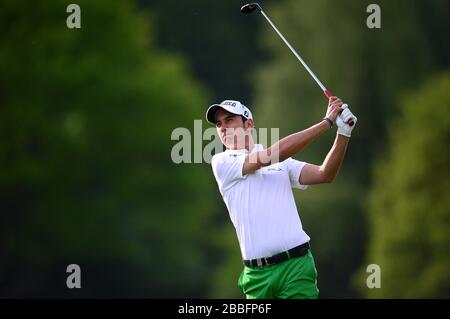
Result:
[{"x": 341, "y": 121}]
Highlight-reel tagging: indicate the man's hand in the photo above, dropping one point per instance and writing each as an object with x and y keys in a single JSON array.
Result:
[
  {"x": 334, "y": 108},
  {"x": 341, "y": 122}
]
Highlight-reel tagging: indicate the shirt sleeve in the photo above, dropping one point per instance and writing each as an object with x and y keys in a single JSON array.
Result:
[
  {"x": 295, "y": 168},
  {"x": 227, "y": 169}
]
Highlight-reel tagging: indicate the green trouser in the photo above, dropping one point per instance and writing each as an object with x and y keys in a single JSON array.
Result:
[{"x": 292, "y": 278}]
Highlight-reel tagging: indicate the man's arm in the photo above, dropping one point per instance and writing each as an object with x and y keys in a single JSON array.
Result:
[
  {"x": 313, "y": 174},
  {"x": 325, "y": 173},
  {"x": 284, "y": 148},
  {"x": 291, "y": 144}
]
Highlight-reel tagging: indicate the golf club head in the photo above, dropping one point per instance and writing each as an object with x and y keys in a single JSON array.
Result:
[{"x": 250, "y": 7}]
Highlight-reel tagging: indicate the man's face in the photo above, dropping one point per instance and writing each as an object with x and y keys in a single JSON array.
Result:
[{"x": 232, "y": 130}]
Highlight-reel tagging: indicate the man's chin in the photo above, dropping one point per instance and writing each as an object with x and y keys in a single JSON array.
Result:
[
  {"x": 231, "y": 143},
  {"x": 228, "y": 141},
  {"x": 229, "y": 146}
]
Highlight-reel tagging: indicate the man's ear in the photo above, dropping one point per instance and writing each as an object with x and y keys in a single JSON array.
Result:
[{"x": 250, "y": 123}]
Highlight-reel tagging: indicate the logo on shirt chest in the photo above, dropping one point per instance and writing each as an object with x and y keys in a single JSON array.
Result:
[
  {"x": 275, "y": 169},
  {"x": 272, "y": 170},
  {"x": 235, "y": 155}
]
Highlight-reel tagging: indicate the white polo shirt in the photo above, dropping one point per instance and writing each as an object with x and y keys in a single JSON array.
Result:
[{"x": 261, "y": 205}]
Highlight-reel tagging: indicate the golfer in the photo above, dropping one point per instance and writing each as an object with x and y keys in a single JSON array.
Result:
[{"x": 256, "y": 186}]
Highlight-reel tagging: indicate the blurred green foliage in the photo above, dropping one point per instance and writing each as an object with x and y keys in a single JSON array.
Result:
[
  {"x": 85, "y": 169},
  {"x": 409, "y": 204},
  {"x": 220, "y": 42}
]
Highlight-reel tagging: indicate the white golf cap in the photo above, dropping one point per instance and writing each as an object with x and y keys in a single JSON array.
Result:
[{"x": 231, "y": 106}]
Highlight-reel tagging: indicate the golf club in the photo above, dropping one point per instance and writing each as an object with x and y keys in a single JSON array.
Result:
[{"x": 249, "y": 8}]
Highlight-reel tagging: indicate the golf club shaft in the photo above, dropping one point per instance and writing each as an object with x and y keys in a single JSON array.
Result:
[{"x": 324, "y": 89}]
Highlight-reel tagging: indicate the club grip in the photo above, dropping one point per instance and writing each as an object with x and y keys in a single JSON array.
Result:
[{"x": 328, "y": 95}]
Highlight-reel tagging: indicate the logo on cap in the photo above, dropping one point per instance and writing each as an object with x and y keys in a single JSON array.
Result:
[{"x": 233, "y": 104}]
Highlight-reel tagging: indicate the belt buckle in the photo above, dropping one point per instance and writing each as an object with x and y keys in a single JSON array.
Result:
[{"x": 259, "y": 262}]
